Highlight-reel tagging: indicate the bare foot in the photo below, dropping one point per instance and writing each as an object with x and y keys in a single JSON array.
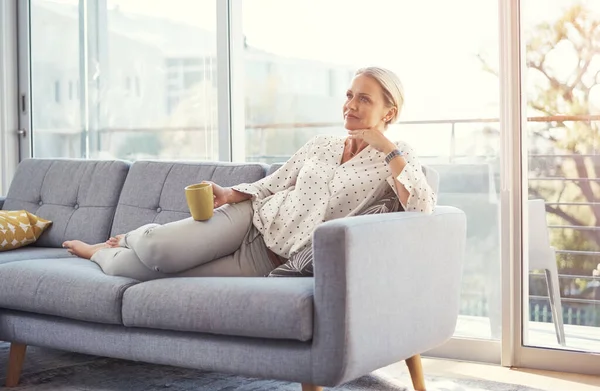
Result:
[
  {"x": 81, "y": 249},
  {"x": 114, "y": 241}
]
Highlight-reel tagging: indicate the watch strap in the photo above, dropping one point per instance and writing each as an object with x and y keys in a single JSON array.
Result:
[{"x": 393, "y": 154}]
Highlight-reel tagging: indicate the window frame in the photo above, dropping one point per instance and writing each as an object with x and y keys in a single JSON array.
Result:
[{"x": 10, "y": 129}]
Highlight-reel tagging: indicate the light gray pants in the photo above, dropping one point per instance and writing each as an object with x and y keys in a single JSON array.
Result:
[{"x": 227, "y": 245}]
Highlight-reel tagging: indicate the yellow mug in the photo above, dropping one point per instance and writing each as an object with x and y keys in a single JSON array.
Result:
[{"x": 200, "y": 201}]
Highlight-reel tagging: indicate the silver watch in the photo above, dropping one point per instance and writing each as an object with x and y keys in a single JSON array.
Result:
[{"x": 393, "y": 154}]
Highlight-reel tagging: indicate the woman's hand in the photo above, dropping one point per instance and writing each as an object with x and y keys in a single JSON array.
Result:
[
  {"x": 374, "y": 138},
  {"x": 220, "y": 194}
]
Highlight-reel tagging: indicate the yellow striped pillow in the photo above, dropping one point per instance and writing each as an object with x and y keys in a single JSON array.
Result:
[{"x": 19, "y": 228}]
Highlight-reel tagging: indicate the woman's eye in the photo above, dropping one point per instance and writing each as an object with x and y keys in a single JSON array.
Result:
[
  {"x": 348, "y": 96},
  {"x": 364, "y": 99}
]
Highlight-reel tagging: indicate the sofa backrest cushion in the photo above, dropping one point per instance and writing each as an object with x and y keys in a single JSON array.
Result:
[
  {"x": 433, "y": 178},
  {"x": 78, "y": 196},
  {"x": 273, "y": 167},
  {"x": 154, "y": 190}
]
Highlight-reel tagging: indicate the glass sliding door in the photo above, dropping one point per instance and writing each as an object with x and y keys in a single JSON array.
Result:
[
  {"x": 559, "y": 211},
  {"x": 563, "y": 134},
  {"x": 124, "y": 79}
]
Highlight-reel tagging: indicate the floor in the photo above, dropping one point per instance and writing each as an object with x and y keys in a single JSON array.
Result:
[
  {"x": 578, "y": 338},
  {"x": 544, "y": 380}
]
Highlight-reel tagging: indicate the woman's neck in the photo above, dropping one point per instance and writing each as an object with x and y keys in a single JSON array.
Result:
[{"x": 355, "y": 146}]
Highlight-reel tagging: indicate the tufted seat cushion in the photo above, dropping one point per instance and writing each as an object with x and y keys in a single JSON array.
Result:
[
  {"x": 154, "y": 191},
  {"x": 78, "y": 196}
]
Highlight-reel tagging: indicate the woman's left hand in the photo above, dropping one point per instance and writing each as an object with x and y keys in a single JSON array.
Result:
[{"x": 374, "y": 138}]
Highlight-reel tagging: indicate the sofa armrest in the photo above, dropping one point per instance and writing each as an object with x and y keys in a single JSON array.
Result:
[
  {"x": 386, "y": 287},
  {"x": 2, "y": 199}
]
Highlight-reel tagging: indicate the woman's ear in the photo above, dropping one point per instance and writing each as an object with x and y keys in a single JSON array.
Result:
[{"x": 391, "y": 113}]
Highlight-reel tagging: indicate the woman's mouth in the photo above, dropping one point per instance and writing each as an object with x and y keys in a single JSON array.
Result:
[{"x": 350, "y": 116}]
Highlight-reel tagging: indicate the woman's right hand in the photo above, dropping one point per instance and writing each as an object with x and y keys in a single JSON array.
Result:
[{"x": 220, "y": 194}]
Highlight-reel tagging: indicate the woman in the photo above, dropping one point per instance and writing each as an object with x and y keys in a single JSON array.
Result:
[{"x": 256, "y": 226}]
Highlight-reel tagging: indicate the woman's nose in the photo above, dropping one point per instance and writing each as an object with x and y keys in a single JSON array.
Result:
[{"x": 351, "y": 104}]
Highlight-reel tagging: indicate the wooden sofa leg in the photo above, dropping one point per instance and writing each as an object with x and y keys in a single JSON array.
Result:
[
  {"x": 416, "y": 372},
  {"x": 310, "y": 387},
  {"x": 15, "y": 363}
]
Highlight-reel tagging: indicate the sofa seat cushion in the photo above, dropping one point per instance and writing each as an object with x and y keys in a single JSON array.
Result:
[
  {"x": 67, "y": 287},
  {"x": 27, "y": 253},
  {"x": 276, "y": 308}
]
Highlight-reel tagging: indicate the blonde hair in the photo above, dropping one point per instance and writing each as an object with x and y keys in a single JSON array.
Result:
[{"x": 393, "y": 91}]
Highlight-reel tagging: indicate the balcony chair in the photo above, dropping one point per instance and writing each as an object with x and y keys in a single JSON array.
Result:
[{"x": 542, "y": 256}]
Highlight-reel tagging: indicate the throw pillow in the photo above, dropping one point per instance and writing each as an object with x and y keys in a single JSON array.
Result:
[
  {"x": 300, "y": 263},
  {"x": 20, "y": 228},
  {"x": 386, "y": 204}
]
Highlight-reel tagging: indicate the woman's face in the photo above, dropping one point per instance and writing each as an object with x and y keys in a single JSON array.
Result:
[{"x": 365, "y": 105}]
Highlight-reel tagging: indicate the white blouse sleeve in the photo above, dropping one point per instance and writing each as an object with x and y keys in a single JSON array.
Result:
[
  {"x": 421, "y": 196},
  {"x": 283, "y": 178}
]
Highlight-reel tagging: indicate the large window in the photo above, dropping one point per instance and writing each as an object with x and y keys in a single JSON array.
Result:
[
  {"x": 296, "y": 80},
  {"x": 563, "y": 137},
  {"x": 124, "y": 79}
]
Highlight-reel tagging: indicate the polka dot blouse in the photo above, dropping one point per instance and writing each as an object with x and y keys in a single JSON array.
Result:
[{"x": 312, "y": 187}]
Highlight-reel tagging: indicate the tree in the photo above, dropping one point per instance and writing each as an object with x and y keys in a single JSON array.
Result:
[{"x": 563, "y": 73}]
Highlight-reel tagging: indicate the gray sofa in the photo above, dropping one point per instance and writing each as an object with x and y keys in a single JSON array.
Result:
[{"x": 386, "y": 287}]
